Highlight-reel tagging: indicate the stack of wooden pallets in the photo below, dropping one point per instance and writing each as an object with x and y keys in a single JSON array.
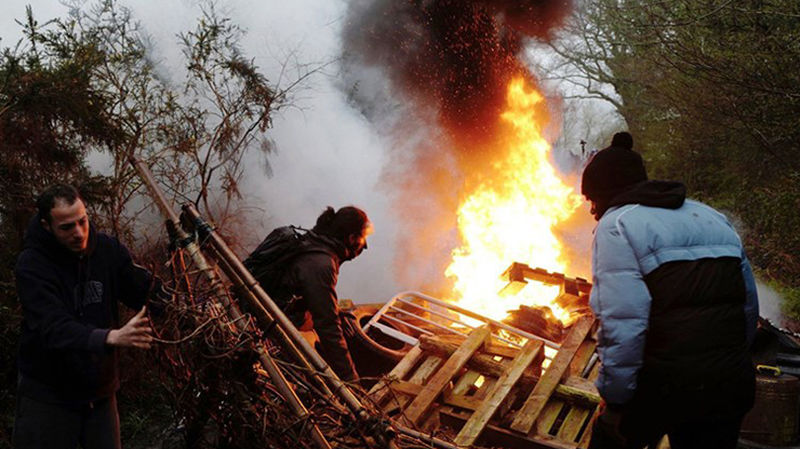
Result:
[{"x": 493, "y": 394}]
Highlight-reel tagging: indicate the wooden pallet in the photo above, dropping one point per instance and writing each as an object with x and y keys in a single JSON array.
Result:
[{"x": 496, "y": 395}]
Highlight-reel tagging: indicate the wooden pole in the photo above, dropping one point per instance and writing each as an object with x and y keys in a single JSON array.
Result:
[
  {"x": 338, "y": 386},
  {"x": 283, "y": 323},
  {"x": 266, "y": 321},
  {"x": 221, "y": 292}
]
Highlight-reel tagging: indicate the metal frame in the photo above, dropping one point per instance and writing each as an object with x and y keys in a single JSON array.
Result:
[{"x": 455, "y": 318}]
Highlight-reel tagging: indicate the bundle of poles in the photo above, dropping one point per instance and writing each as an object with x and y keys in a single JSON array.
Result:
[{"x": 274, "y": 325}]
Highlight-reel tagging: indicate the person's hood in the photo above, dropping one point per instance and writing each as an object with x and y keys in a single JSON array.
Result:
[
  {"x": 663, "y": 194},
  {"x": 37, "y": 237},
  {"x": 339, "y": 248}
]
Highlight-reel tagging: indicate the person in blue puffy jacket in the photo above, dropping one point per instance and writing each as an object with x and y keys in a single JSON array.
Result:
[{"x": 677, "y": 305}]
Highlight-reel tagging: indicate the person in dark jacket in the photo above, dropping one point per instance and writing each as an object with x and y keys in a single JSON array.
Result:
[
  {"x": 307, "y": 288},
  {"x": 677, "y": 304},
  {"x": 69, "y": 279}
]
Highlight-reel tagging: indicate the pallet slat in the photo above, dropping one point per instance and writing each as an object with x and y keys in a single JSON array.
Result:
[
  {"x": 536, "y": 402},
  {"x": 422, "y": 403},
  {"x": 380, "y": 389},
  {"x": 573, "y": 423},
  {"x": 548, "y": 417},
  {"x": 582, "y": 357},
  {"x": 571, "y": 388},
  {"x": 440, "y": 374},
  {"x": 466, "y": 381},
  {"x": 475, "y": 425},
  {"x": 420, "y": 376},
  {"x": 495, "y": 436}
]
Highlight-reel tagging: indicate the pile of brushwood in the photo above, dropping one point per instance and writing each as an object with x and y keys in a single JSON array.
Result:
[{"x": 221, "y": 396}]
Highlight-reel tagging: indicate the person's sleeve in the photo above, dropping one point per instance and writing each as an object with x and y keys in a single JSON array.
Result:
[
  {"x": 621, "y": 301},
  {"x": 45, "y": 312},
  {"x": 751, "y": 300},
  {"x": 135, "y": 282},
  {"x": 317, "y": 277}
]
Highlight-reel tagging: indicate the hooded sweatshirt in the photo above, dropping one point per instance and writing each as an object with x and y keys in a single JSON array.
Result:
[
  {"x": 69, "y": 305},
  {"x": 677, "y": 304},
  {"x": 312, "y": 278}
]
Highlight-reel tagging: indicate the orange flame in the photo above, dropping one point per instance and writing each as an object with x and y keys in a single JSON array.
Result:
[{"x": 510, "y": 216}]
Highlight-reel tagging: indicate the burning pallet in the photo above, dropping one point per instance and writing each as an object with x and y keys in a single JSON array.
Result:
[
  {"x": 573, "y": 297},
  {"x": 495, "y": 394}
]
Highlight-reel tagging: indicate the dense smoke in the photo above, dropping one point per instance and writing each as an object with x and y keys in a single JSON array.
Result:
[
  {"x": 433, "y": 75},
  {"x": 454, "y": 56}
]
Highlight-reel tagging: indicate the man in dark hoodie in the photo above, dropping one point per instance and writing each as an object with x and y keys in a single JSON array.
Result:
[
  {"x": 677, "y": 305},
  {"x": 306, "y": 284},
  {"x": 69, "y": 279}
]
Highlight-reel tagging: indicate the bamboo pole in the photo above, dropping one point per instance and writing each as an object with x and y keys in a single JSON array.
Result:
[
  {"x": 200, "y": 261},
  {"x": 337, "y": 385},
  {"x": 267, "y": 322}
]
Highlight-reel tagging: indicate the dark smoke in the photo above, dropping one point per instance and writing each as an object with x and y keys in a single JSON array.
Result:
[
  {"x": 447, "y": 64},
  {"x": 452, "y": 55}
]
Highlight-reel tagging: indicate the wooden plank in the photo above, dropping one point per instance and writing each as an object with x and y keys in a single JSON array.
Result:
[
  {"x": 483, "y": 391},
  {"x": 576, "y": 393},
  {"x": 505, "y": 408},
  {"x": 548, "y": 417},
  {"x": 586, "y": 438},
  {"x": 573, "y": 423},
  {"x": 578, "y": 390},
  {"x": 595, "y": 371},
  {"x": 445, "y": 343},
  {"x": 408, "y": 389},
  {"x": 380, "y": 389},
  {"x": 475, "y": 425},
  {"x": 420, "y": 376},
  {"x": 580, "y": 393},
  {"x": 580, "y": 396},
  {"x": 536, "y": 366},
  {"x": 426, "y": 369},
  {"x": 582, "y": 357},
  {"x": 496, "y": 436},
  {"x": 502, "y": 350},
  {"x": 579, "y": 383},
  {"x": 536, "y": 402},
  {"x": 481, "y": 363},
  {"x": 422, "y": 403},
  {"x": 512, "y": 395},
  {"x": 465, "y": 382},
  {"x": 457, "y": 400},
  {"x": 572, "y": 389}
]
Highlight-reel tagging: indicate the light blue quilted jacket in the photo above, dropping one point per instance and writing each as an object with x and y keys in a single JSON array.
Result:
[{"x": 631, "y": 241}]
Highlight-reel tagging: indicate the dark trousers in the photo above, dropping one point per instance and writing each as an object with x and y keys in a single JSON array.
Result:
[
  {"x": 632, "y": 432},
  {"x": 48, "y": 426}
]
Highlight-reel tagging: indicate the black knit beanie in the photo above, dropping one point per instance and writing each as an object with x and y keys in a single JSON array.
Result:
[{"x": 612, "y": 171}]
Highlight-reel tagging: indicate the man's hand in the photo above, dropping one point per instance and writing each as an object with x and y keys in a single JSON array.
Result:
[{"x": 136, "y": 333}]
